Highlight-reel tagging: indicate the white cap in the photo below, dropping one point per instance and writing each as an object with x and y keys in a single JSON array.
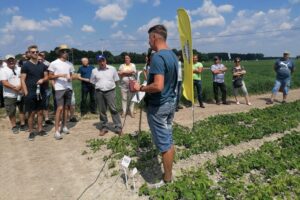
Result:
[{"x": 9, "y": 56}]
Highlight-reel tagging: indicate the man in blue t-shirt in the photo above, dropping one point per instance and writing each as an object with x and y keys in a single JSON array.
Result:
[
  {"x": 284, "y": 67},
  {"x": 161, "y": 97},
  {"x": 85, "y": 72}
]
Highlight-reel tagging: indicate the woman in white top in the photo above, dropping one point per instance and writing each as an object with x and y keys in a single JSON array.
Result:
[{"x": 127, "y": 71}]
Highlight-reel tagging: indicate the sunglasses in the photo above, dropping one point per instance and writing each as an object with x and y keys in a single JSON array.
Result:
[{"x": 34, "y": 52}]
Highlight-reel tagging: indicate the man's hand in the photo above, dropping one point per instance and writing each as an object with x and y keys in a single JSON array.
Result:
[
  {"x": 137, "y": 86},
  {"x": 40, "y": 82}
]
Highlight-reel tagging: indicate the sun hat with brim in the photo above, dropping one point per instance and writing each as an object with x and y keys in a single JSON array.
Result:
[
  {"x": 62, "y": 47},
  {"x": 9, "y": 56}
]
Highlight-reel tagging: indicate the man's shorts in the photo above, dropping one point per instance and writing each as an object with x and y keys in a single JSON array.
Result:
[
  {"x": 33, "y": 104},
  {"x": 63, "y": 97},
  {"x": 281, "y": 83},
  {"x": 160, "y": 120},
  {"x": 11, "y": 104}
]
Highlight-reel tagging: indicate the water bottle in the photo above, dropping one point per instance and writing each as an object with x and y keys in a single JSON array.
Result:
[
  {"x": 19, "y": 97},
  {"x": 38, "y": 90}
]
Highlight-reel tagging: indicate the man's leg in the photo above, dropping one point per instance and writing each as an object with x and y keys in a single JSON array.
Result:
[
  {"x": 84, "y": 94},
  {"x": 101, "y": 101},
  {"x": 30, "y": 121},
  {"x": 40, "y": 120},
  {"x": 224, "y": 92},
  {"x": 275, "y": 90},
  {"x": 167, "y": 159},
  {"x": 93, "y": 106},
  {"x": 216, "y": 92},
  {"x": 124, "y": 102},
  {"x": 111, "y": 103}
]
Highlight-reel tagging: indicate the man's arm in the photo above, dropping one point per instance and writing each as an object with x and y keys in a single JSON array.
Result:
[
  {"x": 156, "y": 86},
  {"x": 10, "y": 86},
  {"x": 23, "y": 84},
  {"x": 44, "y": 79}
]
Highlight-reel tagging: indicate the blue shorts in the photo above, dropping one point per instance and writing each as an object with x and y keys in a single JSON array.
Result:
[
  {"x": 160, "y": 120},
  {"x": 284, "y": 84}
]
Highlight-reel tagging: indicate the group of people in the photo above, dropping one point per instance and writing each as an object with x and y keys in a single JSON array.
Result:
[{"x": 26, "y": 86}]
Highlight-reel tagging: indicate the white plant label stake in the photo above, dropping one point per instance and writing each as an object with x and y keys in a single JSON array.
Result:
[
  {"x": 125, "y": 163},
  {"x": 133, "y": 173}
]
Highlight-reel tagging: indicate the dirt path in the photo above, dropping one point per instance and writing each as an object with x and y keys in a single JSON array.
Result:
[{"x": 49, "y": 169}]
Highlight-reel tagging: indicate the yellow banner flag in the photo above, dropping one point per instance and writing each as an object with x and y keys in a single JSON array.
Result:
[{"x": 185, "y": 33}]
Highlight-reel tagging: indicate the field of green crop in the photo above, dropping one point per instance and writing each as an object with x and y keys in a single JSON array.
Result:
[
  {"x": 272, "y": 172},
  {"x": 260, "y": 78}
]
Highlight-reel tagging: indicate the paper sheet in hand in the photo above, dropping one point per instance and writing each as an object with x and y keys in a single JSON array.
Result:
[{"x": 139, "y": 95}]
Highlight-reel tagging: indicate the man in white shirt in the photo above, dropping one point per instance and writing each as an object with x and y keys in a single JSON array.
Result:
[
  {"x": 61, "y": 71},
  {"x": 104, "y": 77},
  {"x": 10, "y": 78}
]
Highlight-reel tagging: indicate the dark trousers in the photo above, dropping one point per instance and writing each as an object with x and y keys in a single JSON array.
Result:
[
  {"x": 179, "y": 92},
  {"x": 198, "y": 85},
  {"x": 1, "y": 96},
  {"x": 222, "y": 87},
  {"x": 87, "y": 90},
  {"x": 108, "y": 100}
]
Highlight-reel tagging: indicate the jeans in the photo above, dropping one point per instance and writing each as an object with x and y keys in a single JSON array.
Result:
[
  {"x": 284, "y": 83},
  {"x": 87, "y": 90},
  {"x": 107, "y": 100},
  {"x": 160, "y": 120},
  {"x": 222, "y": 87},
  {"x": 198, "y": 85},
  {"x": 179, "y": 92}
]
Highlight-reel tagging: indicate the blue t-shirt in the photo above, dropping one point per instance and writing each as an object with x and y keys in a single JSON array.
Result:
[
  {"x": 85, "y": 72},
  {"x": 163, "y": 62},
  {"x": 283, "y": 68}
]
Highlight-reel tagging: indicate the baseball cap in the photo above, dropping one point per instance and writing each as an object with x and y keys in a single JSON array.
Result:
[
  {"x": 216, "y": 57},
  {"x": 286, "y": 52},
  {"x": 9, "y": 56},
  {"x": 100, "y": 57}
]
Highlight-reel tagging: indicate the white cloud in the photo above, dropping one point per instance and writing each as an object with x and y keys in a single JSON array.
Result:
[
  {"x": 19, "y": 23},
  {"x": 212, "y": 21},
  {"x": 249, "y": 21},
  {"x": 152, "y": 22},
  {"x": 114, "y": 25},
  {"x": 87, "y": 28},
  {"x": 156, "y": 3},
  {"x": 111, "y": 12},
  {"x": 10, "y": 11},
  {"x": 209, "y": 9},
  {"x": 294, "y": 1},
  {"x": 7, "y": 39}
]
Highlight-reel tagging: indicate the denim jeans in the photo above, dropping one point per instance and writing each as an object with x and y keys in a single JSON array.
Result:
[
  {"x": 198, "y": 85},
  {"x": 284, "y": 83},
  {"x": 179, "y": 92},
  {"x": 160, "y": 120},
  {"x": 222, "y": 87}
]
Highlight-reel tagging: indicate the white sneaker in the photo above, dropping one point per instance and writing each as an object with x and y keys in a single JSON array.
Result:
[
  {"x": 65, "y": 130},
  {"x": 249, "y": 104},
  {"x": 156, "y": 185},
  {"x": 237, "y": 103},
  {"x": 57, "y": 135}
]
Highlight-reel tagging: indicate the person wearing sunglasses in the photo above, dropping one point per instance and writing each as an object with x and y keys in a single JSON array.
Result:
[
  {"x": 33, "y": 75},
  {"x": 10, "y": 78}
]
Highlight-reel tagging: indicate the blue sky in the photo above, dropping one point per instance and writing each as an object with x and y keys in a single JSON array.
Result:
[{"x": 249, "y": 26}]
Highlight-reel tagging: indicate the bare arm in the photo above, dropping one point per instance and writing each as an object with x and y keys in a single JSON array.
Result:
[
  {"x": 198, "y": 70},
  {"x": 10, "y": 86},
  {"x": 23, "y": 84},
  {"x": 44, "y": 79},
  {"x": 156, "y": 86}
]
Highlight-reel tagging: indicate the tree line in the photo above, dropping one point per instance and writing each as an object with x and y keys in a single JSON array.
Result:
[{"x": 76, "y": 55}]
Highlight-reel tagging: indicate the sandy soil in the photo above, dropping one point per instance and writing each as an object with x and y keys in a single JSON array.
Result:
[{"x": 50, "y": 169}]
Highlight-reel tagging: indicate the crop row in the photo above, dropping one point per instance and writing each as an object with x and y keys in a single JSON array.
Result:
[
  {"x": 208, "y": 135},
  {"x": 272, "y": 172}
]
